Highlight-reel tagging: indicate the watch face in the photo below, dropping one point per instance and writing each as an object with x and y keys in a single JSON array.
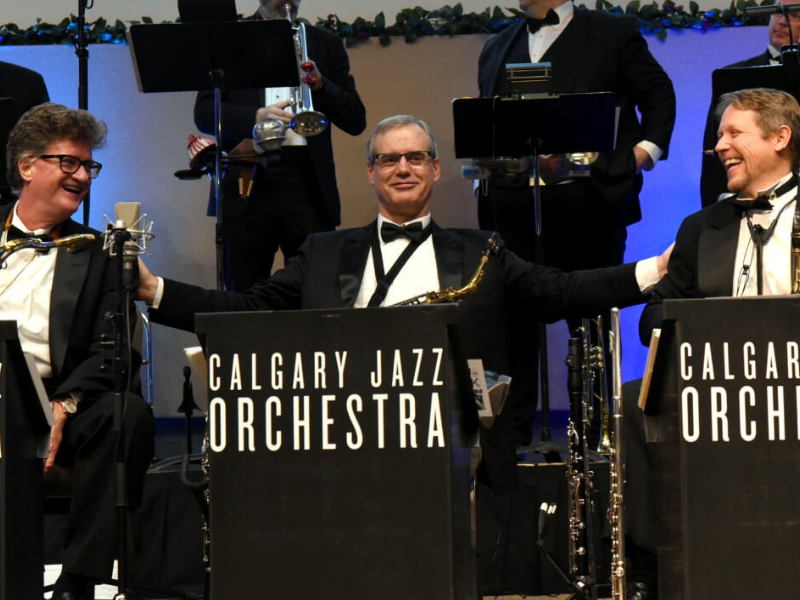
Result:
[{"x": 69, "y": 406}]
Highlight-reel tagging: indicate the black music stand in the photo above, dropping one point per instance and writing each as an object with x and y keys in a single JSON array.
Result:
[
  {"x": 493, "y": 128},
  {"x": 214, "y": 56}
]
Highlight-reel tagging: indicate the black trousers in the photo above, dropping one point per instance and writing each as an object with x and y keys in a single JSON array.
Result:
[
  {"x": 284, "y": 207},
  {"x": 579, "y": 231},
  {"x": 89, "y": 451}
]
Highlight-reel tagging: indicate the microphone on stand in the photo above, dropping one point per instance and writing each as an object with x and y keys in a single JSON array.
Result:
[{"x": 136, "y": 232}]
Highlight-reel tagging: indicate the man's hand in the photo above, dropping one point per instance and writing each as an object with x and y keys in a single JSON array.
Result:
[
  {"x": 275, "y": 112},
  {"x": 663, "y": 260},
  {"x": 312, "y": 75},
  {"x": 644, "y": 162},
  {"x": 56, "y": 434},
  {"x": 148, "y": 284}
]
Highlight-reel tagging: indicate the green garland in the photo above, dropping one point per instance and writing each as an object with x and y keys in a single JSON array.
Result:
[{"x": 412, "y": 23}]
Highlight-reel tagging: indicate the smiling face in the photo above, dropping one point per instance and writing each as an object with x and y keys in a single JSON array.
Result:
[
  {"x": 753, "y": 159},
  {"x": 404, "y": 191},
  {"x": 50, "y": 196}
]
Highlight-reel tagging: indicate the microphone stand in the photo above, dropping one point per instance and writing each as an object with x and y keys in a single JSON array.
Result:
[
  {"x": 82, "y": 51},
  {"x": 120, "y": 365}
]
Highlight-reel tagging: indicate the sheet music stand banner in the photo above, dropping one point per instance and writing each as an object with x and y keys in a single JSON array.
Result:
[
  {"x": 340, "y": 455},
  {"x": 728, "y": 382}
]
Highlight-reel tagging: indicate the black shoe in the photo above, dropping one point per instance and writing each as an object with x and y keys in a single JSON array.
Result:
[
  {"x": 73, "y": 587},
  {"x": 639, "y": 591}
]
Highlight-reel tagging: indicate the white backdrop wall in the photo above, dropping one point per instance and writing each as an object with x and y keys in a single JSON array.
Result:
[
  {"x": 25, "y": 12},
  {"x": 147, "y": 144}
]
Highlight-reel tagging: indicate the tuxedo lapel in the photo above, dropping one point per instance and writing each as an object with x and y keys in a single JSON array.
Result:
[
  {"x": 353, "y": 260},
  {"x": 716, "y": 254},
  {"x": 449, "y": 250},
  {"x": 570, "y": 47},
  {"x": 71, "y": 271}
]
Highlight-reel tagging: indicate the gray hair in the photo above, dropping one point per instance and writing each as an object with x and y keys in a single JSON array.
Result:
[
  {"x": 396, "y": 122},
  {"x": 47, "y": 123}
]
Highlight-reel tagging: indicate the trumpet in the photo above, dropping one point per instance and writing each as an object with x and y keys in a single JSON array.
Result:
[
  {"x": 269, "y": 134},
  {"x": 307, "y": 121}
]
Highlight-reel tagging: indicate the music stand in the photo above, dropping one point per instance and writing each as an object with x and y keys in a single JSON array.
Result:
[
  {"x": 218, "y": 56},
  {"x": 493, "y": 128}
]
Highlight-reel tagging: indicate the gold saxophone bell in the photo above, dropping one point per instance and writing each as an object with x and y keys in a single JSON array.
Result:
[{"x": 456, "y": 295}]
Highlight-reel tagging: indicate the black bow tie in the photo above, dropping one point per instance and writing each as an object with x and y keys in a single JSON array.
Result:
[
  {"x": 14, "y": 233},
  {"x": 760, "y": 203},
  {"x": 551, "y": 18},
  {"x": 412, "y": 231}
]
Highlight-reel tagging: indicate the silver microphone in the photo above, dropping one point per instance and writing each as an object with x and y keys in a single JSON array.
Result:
[{"x": 138, "y": 231}]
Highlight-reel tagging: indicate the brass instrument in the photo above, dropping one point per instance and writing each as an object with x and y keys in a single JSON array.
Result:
[
  {"x": 595, "y": 379},
  {"x": 616, "y": 467},
  {"x": 269, "y": 135},
  {"x": 71, "y": 242},
  {"x": 454, "y": 295},
  {"x": 796, "y": 253},
  {"x": 307, "y": 121}
]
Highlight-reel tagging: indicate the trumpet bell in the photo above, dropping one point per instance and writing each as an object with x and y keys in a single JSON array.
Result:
[
  {"x": 309, "y": 123},
  {"x": 269, "y": 135},
  {"x": 582, "y": 159}
]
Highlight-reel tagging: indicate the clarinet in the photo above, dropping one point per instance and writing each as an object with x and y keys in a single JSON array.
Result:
[{"x": 579, "y": 476}]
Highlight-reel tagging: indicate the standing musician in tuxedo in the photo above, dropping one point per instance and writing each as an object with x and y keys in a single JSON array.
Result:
[
  {"x": 296, "y": 195},
  {"x": 782, "y": 31},
  {"x": 715, "y": 253},
  {"x": 410, "y": 255},
  {"x": 584, "y": 219},
  {"x": 59, "y": 299},
  {"x": 27, "y": 89}
]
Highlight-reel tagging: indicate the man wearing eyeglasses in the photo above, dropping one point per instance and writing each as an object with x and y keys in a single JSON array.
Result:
[
  {"x": 404, "y": 254},
  {"x": 60, "y": 299},
  {"x": 782, "y": 31}
]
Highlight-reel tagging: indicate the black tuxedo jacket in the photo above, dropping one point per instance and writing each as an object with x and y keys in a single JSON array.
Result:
[
  {"x": 338, "y": 100},
  {"x": 702, "y": 262},
  {"x": 713, "y": 180},
  {"x": 27, "y": 89},
  {"x": 598, "y": 52},
  {"x": 327, "y": 273},
  {"x": 83, "y": 292}
]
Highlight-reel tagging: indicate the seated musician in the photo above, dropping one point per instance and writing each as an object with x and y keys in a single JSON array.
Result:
[
  {"x": 59, "y": 299},
  {"x": 404, "y": 254},
  {"x": 759, "y": 146}
]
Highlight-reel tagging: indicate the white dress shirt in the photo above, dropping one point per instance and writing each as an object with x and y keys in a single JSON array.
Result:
[
  {"x": 26, "y": 282},
  {"x": 777, "y": 251}
]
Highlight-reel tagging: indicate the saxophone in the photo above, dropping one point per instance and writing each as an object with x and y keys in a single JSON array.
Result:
[
  {"x": 796, "y": 253},
  {"x": 452, "y": 294},
  {"x": 616, "y": 473},
  {"x": 71, "y": 242}
]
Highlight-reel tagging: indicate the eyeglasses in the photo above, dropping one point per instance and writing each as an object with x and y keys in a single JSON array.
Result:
[
  {"x": 391, "y": 159},
  {"x": 70, "y": 164}
]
